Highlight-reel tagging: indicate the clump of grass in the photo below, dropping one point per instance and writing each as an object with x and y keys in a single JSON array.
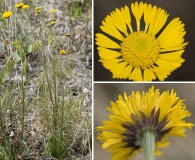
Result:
[{"x": 45, "y": 96}]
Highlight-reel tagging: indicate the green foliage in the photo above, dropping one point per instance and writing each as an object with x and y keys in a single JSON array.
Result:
[
  {"x": 5, "y": 72},
  {"x": 57, "y": 147},
  {"x": 33, "y": 47},
  {"x": 77, "y": 8},
  {"x": 23, "y": 48},
  {"x": 5, "y": 153},
  {"x": 43, "y": 94}
]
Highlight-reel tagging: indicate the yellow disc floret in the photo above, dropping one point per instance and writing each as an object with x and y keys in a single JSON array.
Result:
[{"x": 140, "y": 49}]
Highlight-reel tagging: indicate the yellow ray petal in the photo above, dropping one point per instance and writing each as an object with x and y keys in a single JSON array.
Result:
[
  {"x": 109, "y": 63},
  {"x": 110, "y": 29},
  {"x": 172, "y": 56},
  {"x": 105, "y": 53},
  {"x": 124, "y": 155},
  {"x": 175, "y": 39},
  {"x": 169, "y": 65},
  {"x": 136, "y": 75},
  {"x": 163, "y": 144},
  {"x": 157, "y": 152},
  {"x": 110, "y": 142},
  {"x": 149, "y": 75},
  {"x": 149, "y": 13},
  {"x": 175, "y": 24},
  {"x": 160, "y": 73},
  {"x": 158, "y": 21},
  {"x": 117, "y": 19},
  {"x": 118, "y": 68},
  {"x": 174, "y": 48},
  {"x": 127, "y": 17},
  {"x": 124, "y": 73},
  {"x": 137, "y": 10},
  {"x": 177, "y": 131},
  {"x": 104, "y": 41}
]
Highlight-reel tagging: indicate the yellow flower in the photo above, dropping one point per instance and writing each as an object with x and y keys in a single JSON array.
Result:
[
  {"x": 19, "y": 5},
  {"x": 132, "y": 116},
  {"x": 25, "y": 7},
  {"x": 52, "y": 22},
  {"x": 62, "y": 52},
  {"x": 6, "y": 14},
  {"x": 38, "y": 9},
  {"x": 67, "y": 34},
  {"x": 52, "y": 11},
  {"x": 145, "y": 53}
]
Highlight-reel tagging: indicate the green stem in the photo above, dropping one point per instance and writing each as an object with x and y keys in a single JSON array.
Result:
[{"x": 147, "y": 142}]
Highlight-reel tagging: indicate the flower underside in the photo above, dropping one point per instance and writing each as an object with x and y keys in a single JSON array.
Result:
[
  {"x": 134, "y": 131},
  {"x": 140, "y": 49},
  {"x": 132, "y": 118}
]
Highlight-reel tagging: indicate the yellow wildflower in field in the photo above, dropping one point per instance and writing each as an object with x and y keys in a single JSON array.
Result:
[
  {"x": 6, "y": 14},
  {"x": 62, "y": 52},
  {"x": 38, "y": 9},
  {"x": 67, "y": 34},
  {"x": 52, "y": 11},
  {"x": 52, "y": 22},
  {"x": 25, "y": 7},
  {"x": 19, "y": 5},
  {"x": 148, "y": 50}
]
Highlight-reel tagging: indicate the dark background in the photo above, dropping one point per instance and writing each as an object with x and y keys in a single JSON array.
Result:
[
  {"x": 184, "y": 9},
  {"x": 179, "y": 149}
]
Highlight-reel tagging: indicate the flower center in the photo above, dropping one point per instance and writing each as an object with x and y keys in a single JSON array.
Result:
[{"x": 140, "y": 49}]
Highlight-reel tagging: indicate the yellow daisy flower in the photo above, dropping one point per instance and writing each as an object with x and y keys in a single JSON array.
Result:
[
  {"x": 6, "y": 14},
  {"x": 25, "y": 7},
  {"x": 145, "y": 53},
  {"x": 52, "y": 22},
  {"x": 19, "y": 5},
  {"x": 131, "y": 117},
  {"x": 62, "y": 52},
  {"x": 67, "y": 34},
  {"x": 38, "y": 9},
  {"x": 52, "y": 10}
]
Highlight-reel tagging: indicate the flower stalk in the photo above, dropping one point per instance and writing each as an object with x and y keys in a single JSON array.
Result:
[{"x": 147, "y": 142}]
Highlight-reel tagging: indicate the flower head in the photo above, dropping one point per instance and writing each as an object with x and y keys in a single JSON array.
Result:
[
  {"x": 19, "y": 5},
  {"x": 38, "y": 9},
  {"x": 62, "y": 51},
  {"x": 6, "y": 14},
  {"x": 131, "y": 116},
  {"x": 52, "y": 22},
  {"x": 25, "y": 7},
  {"x": 67, "y": 34},
  {"x": 145, "y": 53},
  {"x": 52, "y": 10}
]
